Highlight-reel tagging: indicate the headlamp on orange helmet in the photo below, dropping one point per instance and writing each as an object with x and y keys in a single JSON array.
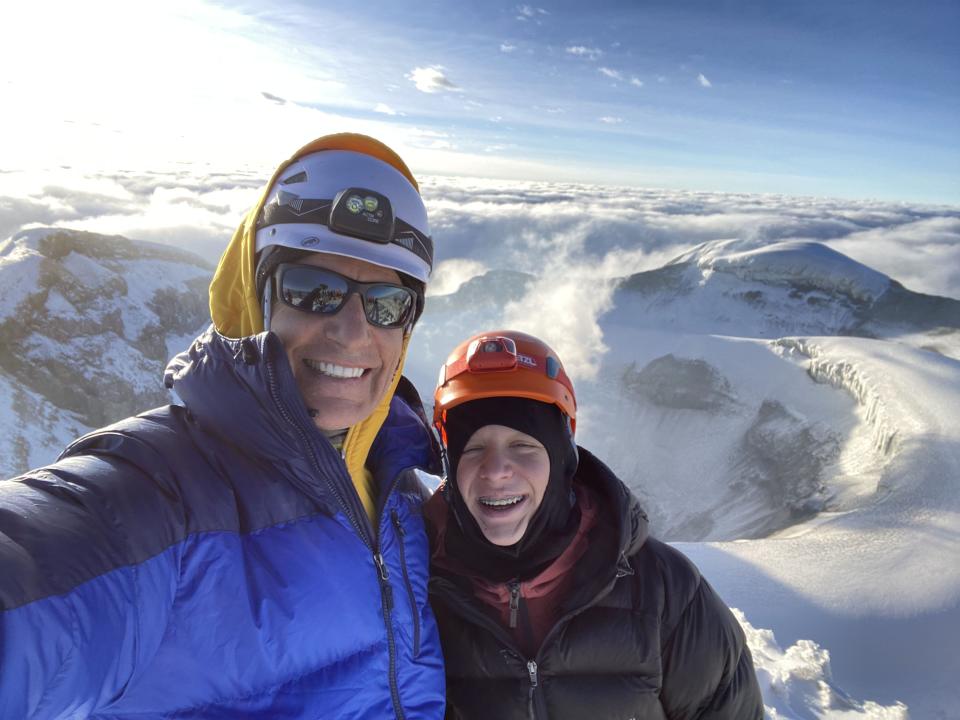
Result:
[{"x": 491, "y": 353}]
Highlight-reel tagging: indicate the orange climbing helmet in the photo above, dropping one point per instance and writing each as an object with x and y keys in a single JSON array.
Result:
[{"x": 503, "y": 363}]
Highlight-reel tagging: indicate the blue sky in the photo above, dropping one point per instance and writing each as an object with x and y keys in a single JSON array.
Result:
[{"x": 851, "y": 99}]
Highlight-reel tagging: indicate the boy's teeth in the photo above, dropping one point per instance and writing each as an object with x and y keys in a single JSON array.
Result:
[
  {"x": 501, "y": 502},
  {"x": 337, "y": 371}
]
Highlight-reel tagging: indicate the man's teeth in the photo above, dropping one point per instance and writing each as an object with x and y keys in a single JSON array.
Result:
[
  {"x": 501, "y": 502},
  {"x": 337, "y": 371}
]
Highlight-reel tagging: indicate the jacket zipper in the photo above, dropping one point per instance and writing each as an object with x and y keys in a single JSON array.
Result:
[
  {"x": 534, "y": 682},
  {"x": 514, "y": 587},
  {"x": 406, "y": 581},
  {"x": 465, "y": 608},
  {"x": 386, "y": 594},
  {"x": 364, "y": 531}
]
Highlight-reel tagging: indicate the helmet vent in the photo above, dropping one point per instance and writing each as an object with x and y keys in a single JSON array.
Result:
[
  {"x": 294, "y": 179},
  {"x": 553, "y": 368}
]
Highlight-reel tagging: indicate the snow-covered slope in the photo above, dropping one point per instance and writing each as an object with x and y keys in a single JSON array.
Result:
[
  {"x": 87, "y": 323},
  {"x": 738, "y": 288},
  {"x": 801, "y": 412}
]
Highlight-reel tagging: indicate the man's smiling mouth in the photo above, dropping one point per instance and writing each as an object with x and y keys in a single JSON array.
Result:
[{"x": 334, "y": 370}]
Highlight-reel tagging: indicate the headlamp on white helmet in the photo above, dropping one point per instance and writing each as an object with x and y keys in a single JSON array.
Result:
[{"x": 351, "y": 204}]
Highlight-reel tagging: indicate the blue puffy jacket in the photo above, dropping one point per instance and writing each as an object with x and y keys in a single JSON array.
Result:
[{"x": 213, "y": 561}]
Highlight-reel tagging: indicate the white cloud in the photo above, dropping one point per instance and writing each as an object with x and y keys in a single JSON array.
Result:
[
  {"x": 611, "y": 120},
  {"x": 611, "y": 73},
  {"x": 583, "y": 51},
  {"x": 429, "y": 139},
  {"x": 449, "y": 275},
  {"x": 195, "y": 212},
  {"x": 636, "y": 82},
  {"x": 922, "y": 254},
  {"x": 385, "y": 109},
  {"x": 661, "y": 78},
  {"x": 507, "y": 47},
  {"x": 510, "y": 224},
  {"x": 432, "y": 79},
  {"x": 528, "y": 12},
  {"x": 702, "y": 79}
]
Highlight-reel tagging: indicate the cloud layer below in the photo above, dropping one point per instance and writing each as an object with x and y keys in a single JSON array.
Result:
[{"x": 574, "y": 240}]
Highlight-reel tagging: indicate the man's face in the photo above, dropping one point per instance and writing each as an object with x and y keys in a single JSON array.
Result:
[{"x": 326, "y": 352}]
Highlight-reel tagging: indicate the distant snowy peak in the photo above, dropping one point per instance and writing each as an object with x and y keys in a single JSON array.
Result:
[
  {"x": 796, "y": 263},
  {"x": 733, "y": 287},
  {"x": 87, "y": 323}
]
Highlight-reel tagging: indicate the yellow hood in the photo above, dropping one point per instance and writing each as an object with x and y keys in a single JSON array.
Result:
[{"x": 236, "y": 312}]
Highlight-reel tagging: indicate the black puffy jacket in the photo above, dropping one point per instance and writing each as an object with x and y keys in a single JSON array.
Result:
[{"x": 642, "y": 636}]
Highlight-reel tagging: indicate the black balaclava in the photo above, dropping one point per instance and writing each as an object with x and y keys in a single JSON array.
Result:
[{"x": 554, "y": 523}]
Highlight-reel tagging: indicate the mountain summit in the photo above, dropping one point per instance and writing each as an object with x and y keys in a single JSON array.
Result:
[{"x": 733, "y": 287}]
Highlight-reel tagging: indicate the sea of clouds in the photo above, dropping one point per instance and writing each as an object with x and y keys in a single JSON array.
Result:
[{"x": 575, "y": 240}]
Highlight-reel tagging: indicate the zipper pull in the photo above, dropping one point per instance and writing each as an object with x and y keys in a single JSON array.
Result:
[
  {"x": 514, "y": 602},
  {"x": 384, "y": 581},
  {"x": 532, "y": 671},
  {"x": 381, "y": 567}
]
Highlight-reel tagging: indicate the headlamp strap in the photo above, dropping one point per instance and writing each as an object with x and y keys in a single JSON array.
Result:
[{"x": 348, "y": 214}]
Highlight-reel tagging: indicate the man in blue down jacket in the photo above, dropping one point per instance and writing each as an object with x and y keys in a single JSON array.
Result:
[{"x": 258, "y": 552}]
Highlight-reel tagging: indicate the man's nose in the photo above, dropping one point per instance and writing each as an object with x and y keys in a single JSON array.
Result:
[{"x": 349, "y": 325}]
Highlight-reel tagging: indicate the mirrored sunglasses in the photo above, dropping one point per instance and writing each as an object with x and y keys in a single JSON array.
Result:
[{"x": 318, "y": 290}]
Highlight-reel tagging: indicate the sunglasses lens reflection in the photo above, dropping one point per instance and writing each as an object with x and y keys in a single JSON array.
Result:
[{"x": 324, "y": 292}]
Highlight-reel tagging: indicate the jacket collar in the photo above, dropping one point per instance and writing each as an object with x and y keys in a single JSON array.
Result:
[
  {"x": 242, "y": 389},
  {"x": 629, "y": 519}
]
